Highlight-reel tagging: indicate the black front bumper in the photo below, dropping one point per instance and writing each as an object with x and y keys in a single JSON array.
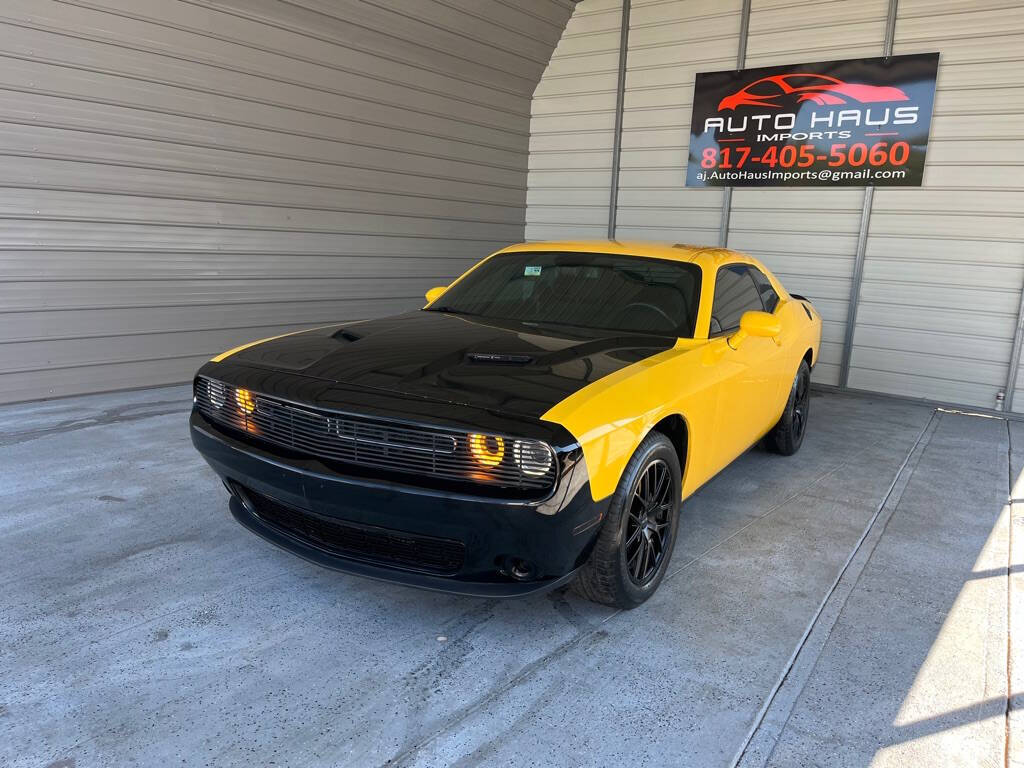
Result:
[{"x": 553, "y": 536}]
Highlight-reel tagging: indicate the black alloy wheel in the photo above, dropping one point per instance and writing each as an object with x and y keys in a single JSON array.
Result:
[
  {"x": 788, "y": 434},
  {"x": 801, "y": 403},
  {"x": 632, "y": 551},
  {"x": 648, "y": 523}
]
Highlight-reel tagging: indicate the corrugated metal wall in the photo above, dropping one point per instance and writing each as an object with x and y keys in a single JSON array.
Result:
[
  {"x": 668, "y": 44},
  {"x": 572, "y": 128},
  {"x": 179, "y": 176},
  {"x": 808, "y": 237},
  {"x": 945, "y": 263}
]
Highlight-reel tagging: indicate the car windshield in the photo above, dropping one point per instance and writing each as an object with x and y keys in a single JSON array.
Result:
[
  {"x": 803, "y": 81},
  {"x": 602, "y": 291}
]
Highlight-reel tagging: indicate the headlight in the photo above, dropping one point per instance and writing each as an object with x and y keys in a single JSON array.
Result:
[
  {"x": 217, "y": 393},
  {"x": 487, "y": 450},
  {"x": 245, "y": 400},
  {"x": 533, "y": 457}
]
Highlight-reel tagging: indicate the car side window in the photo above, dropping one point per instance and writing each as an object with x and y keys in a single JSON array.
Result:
[
  {"x": 764, "y": 287},
  {"x": 735, "y": 293},
  {"x": 766, "y": 87}
]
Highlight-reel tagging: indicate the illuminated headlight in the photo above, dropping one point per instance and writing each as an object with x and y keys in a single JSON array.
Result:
[
  {"x": 245, "y": 400},
  {"x": 532, "y": 457},
  {"x": 217, "y": 393},
  {"x": 487, "y": 450}
]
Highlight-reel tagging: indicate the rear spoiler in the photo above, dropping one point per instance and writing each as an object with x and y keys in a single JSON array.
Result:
[{"x": 805, "y": 302}]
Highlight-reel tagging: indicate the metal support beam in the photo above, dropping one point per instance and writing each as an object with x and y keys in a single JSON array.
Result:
[
  {"x": 862, "y": 234},
  {"x": 1011, "y": 372},
  {"x": 723, "y": 226},
  {"x": 741, "y": 60},
  {"x": 855, "y": 282},
  {"x": 620, "y": 99},
  {"x": 890, "y": 28}
]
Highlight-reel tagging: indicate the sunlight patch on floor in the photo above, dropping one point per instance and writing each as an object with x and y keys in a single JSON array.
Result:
[{"x": 957, "y": 703}]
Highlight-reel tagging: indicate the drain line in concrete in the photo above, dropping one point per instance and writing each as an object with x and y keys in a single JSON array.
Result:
[{"x": 748, "y": 756}]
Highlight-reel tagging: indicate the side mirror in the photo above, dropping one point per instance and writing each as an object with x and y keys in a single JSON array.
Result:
[
  {"x": 761, "y": 324},
  {"x": 435, "y": 293}
]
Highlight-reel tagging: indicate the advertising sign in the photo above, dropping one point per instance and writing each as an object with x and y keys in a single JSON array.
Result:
[{"x": 835, "y": 123}]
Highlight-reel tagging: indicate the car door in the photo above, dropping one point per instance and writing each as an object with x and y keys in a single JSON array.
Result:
[
  {"x": 782, "y": 365},
  {"x": 749, "y": 384}
]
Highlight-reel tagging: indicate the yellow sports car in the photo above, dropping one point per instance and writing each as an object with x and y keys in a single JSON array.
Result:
[{"x": 540, "y": 419}]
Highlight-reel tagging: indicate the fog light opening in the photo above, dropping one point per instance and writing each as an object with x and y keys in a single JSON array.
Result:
[
  {"x": 239, "y": 493},
  {"x": 517, "y": 568},
  {"x": 521, "y": 569}
]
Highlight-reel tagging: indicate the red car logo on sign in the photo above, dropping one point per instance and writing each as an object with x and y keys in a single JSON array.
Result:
[{"x": 774, "y": 91}]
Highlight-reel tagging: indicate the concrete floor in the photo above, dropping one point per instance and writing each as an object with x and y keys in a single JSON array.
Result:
[{"x": 851, "y": 605}]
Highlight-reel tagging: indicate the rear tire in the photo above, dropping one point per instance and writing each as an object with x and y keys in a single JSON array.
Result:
[
  {"x": 633, "y": 549},
  {"x": 787, "y": 435}
]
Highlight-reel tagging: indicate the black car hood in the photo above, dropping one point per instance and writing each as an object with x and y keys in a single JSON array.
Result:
[{"x": 455, "y": 359}]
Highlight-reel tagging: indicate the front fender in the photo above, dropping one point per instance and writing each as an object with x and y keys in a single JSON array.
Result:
[{"x": 612, "y": 416}]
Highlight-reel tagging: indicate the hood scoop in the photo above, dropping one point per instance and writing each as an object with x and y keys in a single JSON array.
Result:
[
  {"x": 347, "y": 335},
  {"x": 495, "y": 358}
]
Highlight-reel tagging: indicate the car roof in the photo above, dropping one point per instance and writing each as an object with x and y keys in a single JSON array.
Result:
[{"x": 705, "y": 256}]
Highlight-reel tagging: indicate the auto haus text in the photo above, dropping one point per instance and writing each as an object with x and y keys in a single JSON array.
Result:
[{"x": 833, "y": 124}]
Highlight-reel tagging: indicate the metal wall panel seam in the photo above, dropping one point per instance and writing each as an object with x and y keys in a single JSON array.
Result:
[
  {"x": 184, "y": 171},
  {"x": 99, "y": 335},
  {"x": 192, "y": 253},
  {"x": 104, "y": 363},
  {"x": 180, "y": 224},
  {"x": 557, "y": 97},
  {"x": 298, "y": 158},
  {"x": 193, "y": 304},
  {"x": 163, "y": 332},
  {"x": 741, "y": 58},
  {"x": 674, "y": 43},
  {"x": 142, "y": 223},
  {"x": 149, "y": 195},
  {"x": 620, "y": 97},
  {"x": 865, "y": 225}
]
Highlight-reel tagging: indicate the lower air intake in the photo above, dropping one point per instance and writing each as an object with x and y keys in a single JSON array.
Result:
[{"x": 382, "y": 546}]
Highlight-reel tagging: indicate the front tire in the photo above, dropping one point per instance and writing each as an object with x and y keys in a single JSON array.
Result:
[
  {"x": 787, "y": 436},
  {"x": 633, "y": 549}
]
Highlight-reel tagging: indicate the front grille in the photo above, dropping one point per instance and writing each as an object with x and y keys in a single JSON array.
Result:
[
  {"x": 359, "y": 542},
  {"x": 387, "y": 446}
]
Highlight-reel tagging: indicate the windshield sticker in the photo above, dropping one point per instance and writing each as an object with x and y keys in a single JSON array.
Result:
[{"x": 532, "y": 271}]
